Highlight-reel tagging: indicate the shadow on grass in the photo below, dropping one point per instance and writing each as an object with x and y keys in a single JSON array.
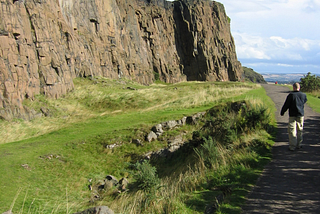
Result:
[{"x": 228, "y": 192}]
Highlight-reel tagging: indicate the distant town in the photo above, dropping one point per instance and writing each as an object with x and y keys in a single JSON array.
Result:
[{"x": 282, "y": 78}]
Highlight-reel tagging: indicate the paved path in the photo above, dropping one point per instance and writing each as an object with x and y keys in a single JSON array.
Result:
[{"x": 291, "y": 182}]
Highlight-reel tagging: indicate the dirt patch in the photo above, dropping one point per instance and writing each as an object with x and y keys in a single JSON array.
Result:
[{"x": 291, "y": 182}]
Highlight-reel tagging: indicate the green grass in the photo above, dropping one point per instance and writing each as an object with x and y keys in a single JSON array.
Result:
[
  {"x": 314, "y": 101},
  {"x": 46, "y": 163}
]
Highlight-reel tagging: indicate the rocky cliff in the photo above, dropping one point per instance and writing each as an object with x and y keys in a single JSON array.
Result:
[{"x": 45, "y": 44}]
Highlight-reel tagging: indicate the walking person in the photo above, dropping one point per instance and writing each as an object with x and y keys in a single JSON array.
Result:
[{"x": 295, "y": 103}]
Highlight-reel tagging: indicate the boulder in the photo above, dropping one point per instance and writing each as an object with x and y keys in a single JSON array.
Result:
[
  {"x": 175, "y": 143},
  {"x": 182, "y": 122},
  {"x": 169, "y": 124},
  {"x": 193, "y": 120},
  {"x": 151, "y": 137},
  {"x": 112, "y": 180},
  {"x": 157, "y": 129}
]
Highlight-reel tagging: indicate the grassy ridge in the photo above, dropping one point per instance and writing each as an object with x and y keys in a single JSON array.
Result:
[{"x": 48, "y": 161}]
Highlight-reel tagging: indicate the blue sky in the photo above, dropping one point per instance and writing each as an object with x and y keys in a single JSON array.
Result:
[{"x": 276, "y": 36}]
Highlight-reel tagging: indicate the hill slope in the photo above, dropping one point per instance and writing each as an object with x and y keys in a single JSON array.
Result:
[{"x": 252, "y": 76}]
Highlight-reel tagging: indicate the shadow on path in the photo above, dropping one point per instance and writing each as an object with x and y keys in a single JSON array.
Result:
[{"x": 290, "y": 183}]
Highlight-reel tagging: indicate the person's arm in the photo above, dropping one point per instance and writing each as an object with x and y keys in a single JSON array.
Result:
[
  {"x": 286, "y": 105},
  {"x": 305, "y": 99}
]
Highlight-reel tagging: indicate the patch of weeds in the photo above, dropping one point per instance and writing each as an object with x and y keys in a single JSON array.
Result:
[{"x": 209, "y": 152}]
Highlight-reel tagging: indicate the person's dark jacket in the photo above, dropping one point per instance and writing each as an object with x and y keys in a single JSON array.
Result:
[{"x": 295, "y": 103}]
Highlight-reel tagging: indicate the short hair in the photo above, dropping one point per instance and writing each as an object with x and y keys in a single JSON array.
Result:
[{"x": 296, "y": 85}]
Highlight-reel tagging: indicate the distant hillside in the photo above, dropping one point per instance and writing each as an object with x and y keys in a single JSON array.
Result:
[
  {"x": 252, "y": 76},
  {"x": 284, "y": 78}
]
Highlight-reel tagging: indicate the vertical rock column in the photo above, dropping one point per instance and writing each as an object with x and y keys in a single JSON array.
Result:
[{"x": 19, "y": 77}]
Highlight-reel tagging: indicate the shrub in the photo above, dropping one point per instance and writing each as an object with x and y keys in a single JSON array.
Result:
[
  {"x": 252, "y": 117},
  {"x": 226, "y": 123},
  {"x": 146, "y": 176},
  {"x": 310, "y": 83}
]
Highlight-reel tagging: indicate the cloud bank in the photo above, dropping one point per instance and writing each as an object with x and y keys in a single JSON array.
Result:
[{"x": 276, "y": 36}]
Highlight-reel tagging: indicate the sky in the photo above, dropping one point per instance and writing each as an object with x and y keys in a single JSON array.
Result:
[{"x": 276, "y": 36}]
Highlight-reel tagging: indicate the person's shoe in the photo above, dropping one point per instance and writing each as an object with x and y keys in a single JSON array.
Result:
[
  {"x": 298, "y": 147},
  {"x": 291, "y": 149}
]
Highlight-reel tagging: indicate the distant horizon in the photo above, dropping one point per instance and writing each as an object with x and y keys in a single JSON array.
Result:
[
  {"x": 287, "y": 72},
  {"x": 277, "y": 71}
]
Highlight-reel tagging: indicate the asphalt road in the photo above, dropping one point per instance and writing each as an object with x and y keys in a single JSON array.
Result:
[{"x": 290, "y": 183}]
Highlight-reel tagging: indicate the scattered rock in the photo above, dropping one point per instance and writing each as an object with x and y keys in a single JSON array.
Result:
[
  {"x": 182, "y": 122},
  {"x": 112, "y": 179},
  {"x": 108, "y": 185},
  {"x": 175, "y": 143},
  {"x": 138, "y": 142},
  {"x": 97, "y": 210},
  {"x": 123, "y": 184},
  {"x": 169, "y": 124},
  {"x": 130, "y": 88},
  {"x": 49, "y": 157},
  {"x": 157, "y": 129},
  {"x": 26, "y": 166},
  {"x": 151, "y": 136},
  {"x": 100, "y": 185},
  {"x": 45, "y": 111},
  {"x": 148, "y": 155},
  {"x": 193, "y": 120},
  {"x": 112, "y": 146}
]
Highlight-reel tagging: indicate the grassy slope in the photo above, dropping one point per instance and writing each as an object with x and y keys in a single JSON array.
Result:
[
  {"x": 314, "y": 101},
  {"x": 242, "y": 176},
  {"x": 69, "y": 148}
]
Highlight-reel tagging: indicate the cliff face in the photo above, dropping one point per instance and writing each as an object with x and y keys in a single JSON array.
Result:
[{"x": 45, "y": 44}]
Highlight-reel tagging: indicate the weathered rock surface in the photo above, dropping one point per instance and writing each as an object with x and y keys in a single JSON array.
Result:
[
  {"x": 45, "y": 44},
  {"x": 151, "y": 137}
]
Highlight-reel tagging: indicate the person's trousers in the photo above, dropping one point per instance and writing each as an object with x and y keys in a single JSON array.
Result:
[{"x": 295, "y": 129}]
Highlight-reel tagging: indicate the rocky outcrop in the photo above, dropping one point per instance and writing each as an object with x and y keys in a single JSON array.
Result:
[{"x": 45, "y": 44}]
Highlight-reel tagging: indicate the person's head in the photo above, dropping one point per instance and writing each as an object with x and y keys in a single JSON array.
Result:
[{"x": 296, "y": 86}]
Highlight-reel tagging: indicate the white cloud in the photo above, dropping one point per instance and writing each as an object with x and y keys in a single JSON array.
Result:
[
  {"x": 276, "y": 35},
  {"x": 275, "y": 47},
  {"x": 285, "y": 65}
]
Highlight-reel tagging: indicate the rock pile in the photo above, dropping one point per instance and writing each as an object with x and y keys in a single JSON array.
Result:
[{"x": 158, "y": 129}]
